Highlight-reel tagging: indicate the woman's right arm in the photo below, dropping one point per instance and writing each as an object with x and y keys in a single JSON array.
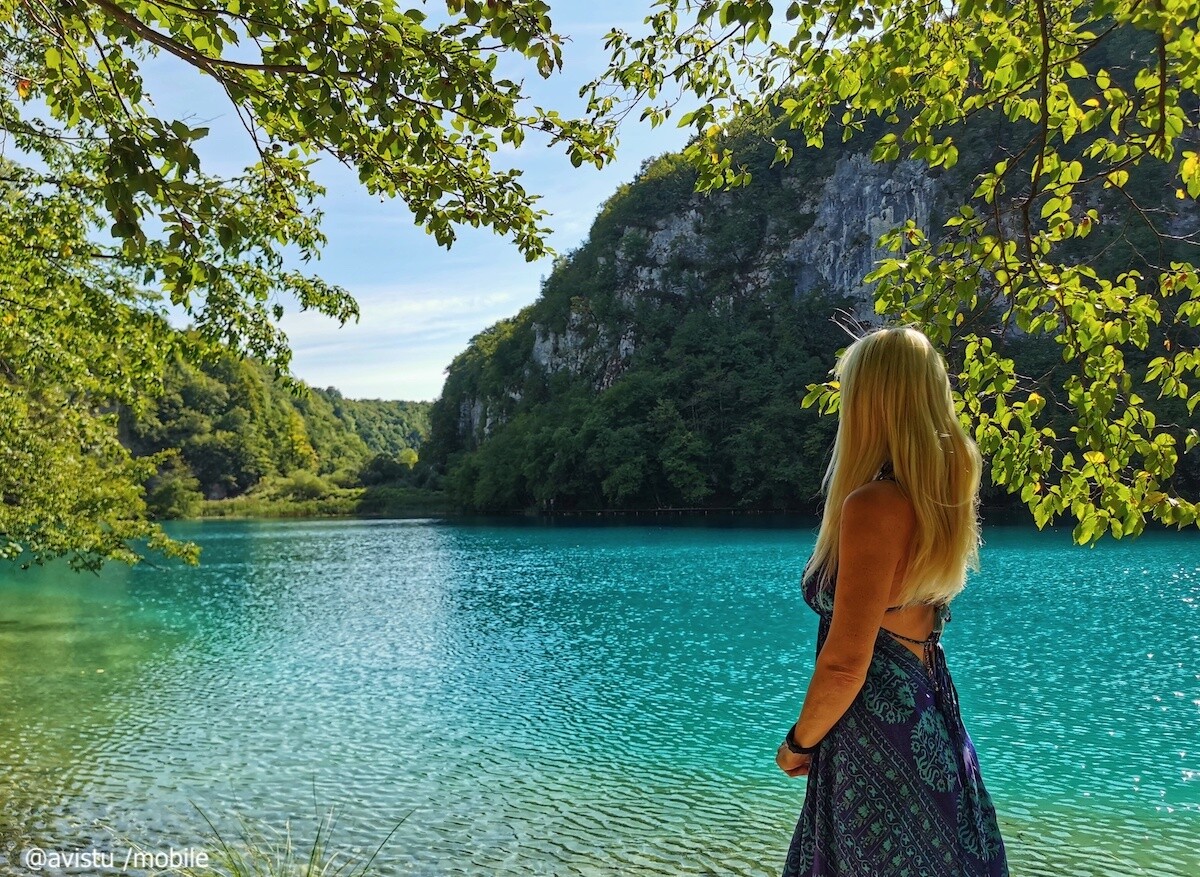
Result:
[{"x": 877, "y": 523}]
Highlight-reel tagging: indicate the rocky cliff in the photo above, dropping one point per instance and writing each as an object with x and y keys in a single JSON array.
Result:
[
  {"x": 663, "y": 363},
  {"x": 807, "y": 228}
]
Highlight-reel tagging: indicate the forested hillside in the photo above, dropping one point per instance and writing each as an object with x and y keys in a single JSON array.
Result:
[
  {"x": 664, "y": 364},
  {"x": 234, "y": 427},
  {"x": 386, "y": 427}
]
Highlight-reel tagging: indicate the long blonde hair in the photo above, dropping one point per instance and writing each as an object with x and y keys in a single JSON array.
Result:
[{"x": 896, "y": 406}]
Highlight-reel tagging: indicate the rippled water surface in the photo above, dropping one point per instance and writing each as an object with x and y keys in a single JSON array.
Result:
[{"x": 567, "y": 699}]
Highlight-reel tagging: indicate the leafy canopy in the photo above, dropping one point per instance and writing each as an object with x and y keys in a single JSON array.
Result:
[
  {"x": 108, "y": 214},
  {"x": 1081, "y": 225}
]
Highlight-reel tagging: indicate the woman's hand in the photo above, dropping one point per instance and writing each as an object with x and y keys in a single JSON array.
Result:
[{"x": 790, "y": 763}]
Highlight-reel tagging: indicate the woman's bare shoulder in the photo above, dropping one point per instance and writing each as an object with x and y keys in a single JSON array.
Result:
[{"x": 879, "y": 502}]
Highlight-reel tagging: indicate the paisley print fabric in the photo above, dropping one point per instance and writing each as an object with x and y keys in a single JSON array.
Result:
[{"x": 895, "y": 788}]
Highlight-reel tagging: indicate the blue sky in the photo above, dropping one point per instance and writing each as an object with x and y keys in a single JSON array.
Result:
[{"x": 420, "y": 303}]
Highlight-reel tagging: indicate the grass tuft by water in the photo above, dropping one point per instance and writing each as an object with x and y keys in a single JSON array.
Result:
[
  {"x": 261, "y": 851},
  {"x": 384, "y": 501}
]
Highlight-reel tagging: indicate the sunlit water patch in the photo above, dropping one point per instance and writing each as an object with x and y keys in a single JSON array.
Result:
[{"x": 567, "y": 699}]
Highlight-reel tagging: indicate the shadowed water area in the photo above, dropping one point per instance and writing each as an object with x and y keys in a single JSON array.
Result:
[{"x": 571, "y": 699}]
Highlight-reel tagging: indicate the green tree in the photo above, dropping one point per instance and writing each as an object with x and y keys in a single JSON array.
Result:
[
  {"x": 174, "y": 492},
  {"x": 681, "y": 452},
  {"x": 73, "y": 344},
  {"x": 107, "y": 214},
  {"x": 1064, "y": 235},
  {"x": 300, "y": 453}
]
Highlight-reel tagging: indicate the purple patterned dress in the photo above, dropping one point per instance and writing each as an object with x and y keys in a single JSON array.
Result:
[{"x": 894, "y": 789}]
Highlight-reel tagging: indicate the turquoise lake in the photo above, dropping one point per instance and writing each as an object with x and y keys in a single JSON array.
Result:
[{"x": 570, "y": 699}]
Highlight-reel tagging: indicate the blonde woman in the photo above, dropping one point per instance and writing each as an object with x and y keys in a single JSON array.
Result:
[{"x": 894, "y": 787}]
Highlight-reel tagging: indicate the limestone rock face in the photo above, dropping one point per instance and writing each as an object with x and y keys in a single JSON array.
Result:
[
  {"x": 681, "y": 230},
  {"x": 567, "y": 350},
  {"x": 818, "y": 234},
  {"x": 859, "y": 203},
  {"x": 659, "y": 255},
  {"x": 851, "y": 209},
  {"x": 471, "y": 416}
]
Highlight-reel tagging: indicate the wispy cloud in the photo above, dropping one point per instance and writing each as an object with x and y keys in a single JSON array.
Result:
[{"x": 403, "y": 342}]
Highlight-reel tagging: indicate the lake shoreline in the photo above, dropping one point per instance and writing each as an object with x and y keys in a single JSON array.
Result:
[
  {"x": 357, "y": 502},
  {"x": 403, "y": 503}
]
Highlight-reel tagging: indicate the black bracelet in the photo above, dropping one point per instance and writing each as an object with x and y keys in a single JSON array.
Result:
[{"x": 795, "y": 748}]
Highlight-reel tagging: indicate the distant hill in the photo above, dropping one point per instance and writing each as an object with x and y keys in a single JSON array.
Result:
[
  {"x": 386, "y": 427},
  {"x": 232, "y": 425}
]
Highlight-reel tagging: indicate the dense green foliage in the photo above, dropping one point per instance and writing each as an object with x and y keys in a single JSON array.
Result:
[
  {"x": 1095, "y": 104},
  {"x": 108, "y": 216},
  {"x": 386, "y": 427},
  {"x": 228, "y": 426},
  {"x": 73, "y": 344},
  {"x": 719, "y": 426},
  {"x": 280, "y": 500}
]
